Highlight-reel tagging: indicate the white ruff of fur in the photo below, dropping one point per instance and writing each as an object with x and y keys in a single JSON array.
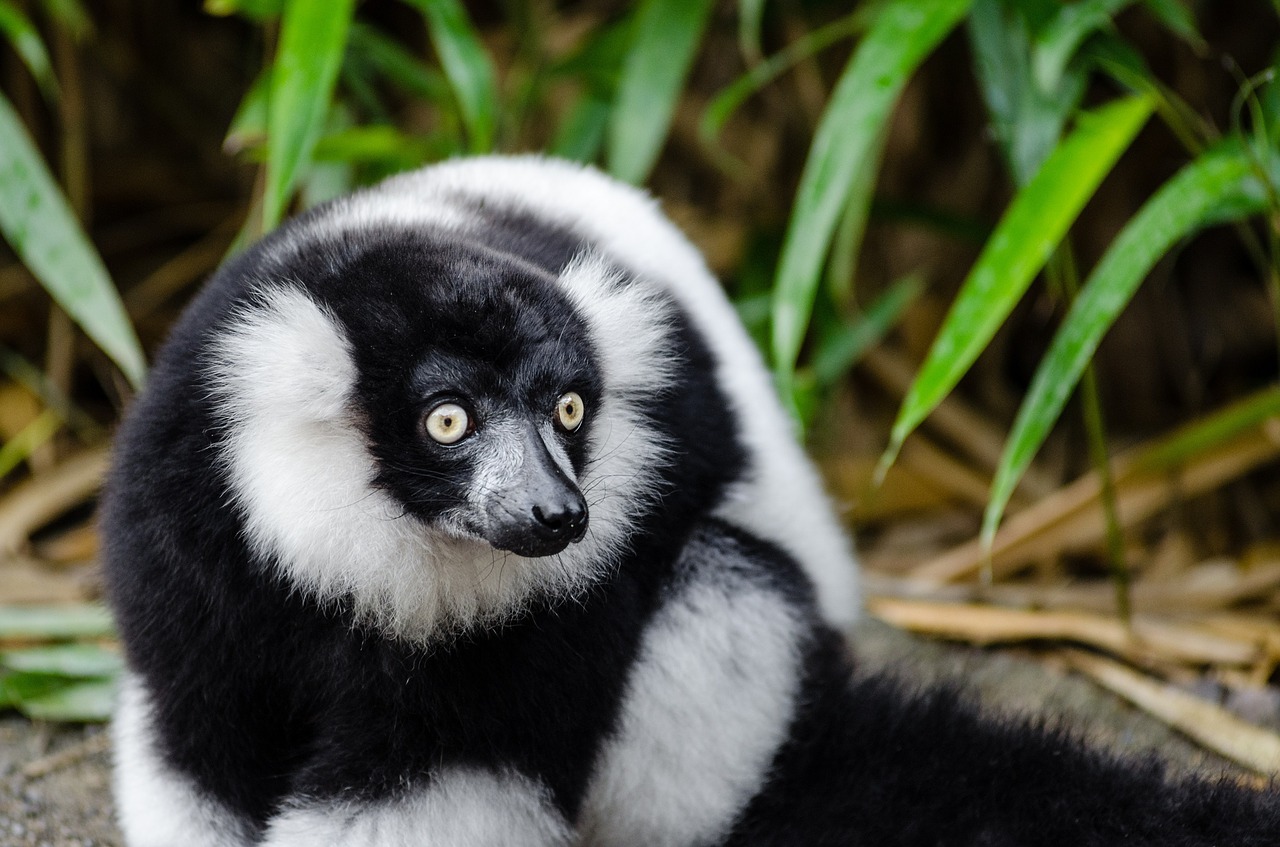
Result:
[
  {"x": 631, "y": 333},
  {"x": 301, "y": 471}
]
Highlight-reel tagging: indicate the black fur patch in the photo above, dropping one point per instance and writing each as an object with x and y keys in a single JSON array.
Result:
[{"x": 871, "y": 762}]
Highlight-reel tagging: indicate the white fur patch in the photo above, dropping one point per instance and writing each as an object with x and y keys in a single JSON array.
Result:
[
  {"x": 156, "y": 806},
  {"x": 464, "y": 807},
  {"x": 631, "y": 335},
  {"x": 707, "y": 705},
  {"x": 301, "y": 472},
  {"x": 781, "y": 498}
]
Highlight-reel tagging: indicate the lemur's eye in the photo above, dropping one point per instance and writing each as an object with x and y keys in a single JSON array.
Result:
[
  {"x": 448, "y": 423},
  {"x": 569, "y": 411}
]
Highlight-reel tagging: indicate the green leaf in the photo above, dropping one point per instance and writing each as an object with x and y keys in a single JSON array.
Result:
[
  {"x": 667, "y": 35},
  {"x": 1178, "y": 18},
  {"x": 1118, "y": 59},
  {"x": 72, "y": 16},
  {"x": 313, "y": 37},
  {"x": 249, "y": 124},
  {"x": 842, "y": 348},
  {"x": 89, "y": 701},
  {"x": 377, "y": 143},
  {"x": 254, "y": 10},
  {"x": 581, "y": 135},
  {"x": 17, "y": 687},
  {"x": 397, "y": 64},
  {"x": 848, "y": 143},
  {"x": 1027, "y": 119},
  {"x": 1026, "y": 236},
  {"x": 1059, "y": 41},
  {"x": 753, "y": 311},
  {"x": 43, "y": 231},
  {"x": 16, "y": 450},
  {"x": 24, "y": 37},
  {"x": 74, "y": 660},
  {"x": 1218, "y": 186},
  {"x": 750, "y": 17},
  {"x": 728, "y": 100},
  {"x": 55, "y": 622},
  {"x": 1206, "y": 433},
  {"x": 467, "y": 66},
  {"x": 597, "y": 62}
]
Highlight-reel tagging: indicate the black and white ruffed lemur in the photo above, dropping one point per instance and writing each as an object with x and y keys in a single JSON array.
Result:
[{"x": 460, "y": 511}]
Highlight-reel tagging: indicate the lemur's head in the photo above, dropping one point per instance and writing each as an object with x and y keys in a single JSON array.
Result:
[{"x": 434, "y": 431}]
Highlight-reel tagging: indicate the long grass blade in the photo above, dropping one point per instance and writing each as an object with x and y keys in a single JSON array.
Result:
[
  {"x": 848, "y": 141},
  {"x": 26, "y": 41},
  {"x": 1219, "y": 186},
  {"x": 1184, "y": 444},
  {"x": 31, "y": 623},
  {"x": 71, "y": 17},
  {"x": 842, "y": 349},
  {"x": 1063, "y": 36},
  {"x": 248, "y": 128},
  {"x": 666, "y": 38},
  {"x": 581, "y": 136},
  {"x": 64, "y": 660},
  {"x": 43, "y": 231},
  {"x": 735, "y": 94},
  {"x": 16, "y": 450},
  {"x": 1026, "y": 236},
  {"x": 89, "y": 700},
  {"x": 313, "y": 37},
  {"x": 255, "y": 10},
  {"x": 397, "y": 64},
  {"x": 467, "y": 66},
  {"x": 750, "y": 19},
  {"x": 1178, "y": 18},
  {"x": 1026, "y": 118}
]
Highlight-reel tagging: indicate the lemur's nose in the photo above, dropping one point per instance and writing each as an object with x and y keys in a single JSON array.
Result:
[{"x": 563, "y": 520}]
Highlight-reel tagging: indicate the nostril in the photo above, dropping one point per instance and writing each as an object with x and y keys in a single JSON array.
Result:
[
  {"x": 560, "y": 520},
  {"x": 552, "y": 519}
]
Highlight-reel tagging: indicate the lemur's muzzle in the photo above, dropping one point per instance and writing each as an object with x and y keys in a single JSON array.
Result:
[{"x": 543, "y": 511}]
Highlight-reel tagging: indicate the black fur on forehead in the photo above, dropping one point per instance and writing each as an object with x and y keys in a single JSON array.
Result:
[
  {"x": 433, "y": 320},
  {"x": 402, "y": 296}
]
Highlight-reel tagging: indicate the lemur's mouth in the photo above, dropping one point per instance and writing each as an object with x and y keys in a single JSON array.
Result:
[{"x": 538, "y": 537}]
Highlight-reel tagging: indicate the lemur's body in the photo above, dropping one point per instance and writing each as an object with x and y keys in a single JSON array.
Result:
[{"x": 455, "y": 513}]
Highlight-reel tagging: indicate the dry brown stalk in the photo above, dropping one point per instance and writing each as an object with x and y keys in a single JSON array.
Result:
[
  {"x": 36, "y": 501},
  {"x": 959, "y": 423},
  {"x": 23, "y": 581},
  {"x": 180, "y": 271},
  {"x": 1210, "y": 725},
  {"x": 1191, "y": 591},
  {"x": 91, "y": 746},
  {"x": 1146, "y": 640},
  {"x": 1070, "y": 519},
  {"x": 904, "y": 489}
]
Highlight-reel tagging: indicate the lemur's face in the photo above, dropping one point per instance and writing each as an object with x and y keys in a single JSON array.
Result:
[
  {"x": 435, "y": 433},
  {"x": 483, "y": 425}
]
